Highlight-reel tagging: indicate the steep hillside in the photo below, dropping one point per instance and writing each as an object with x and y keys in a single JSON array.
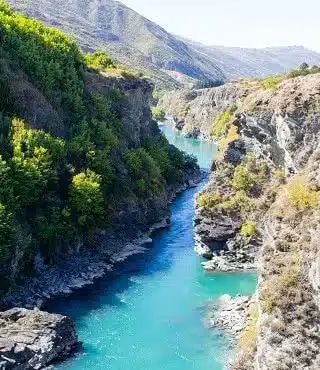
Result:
[
  {"x": 197, "y": 112},
  {"x": 137, "y": 42},
  {"x": 81, "y": 161},
  {"x": 260, "y": 209}
]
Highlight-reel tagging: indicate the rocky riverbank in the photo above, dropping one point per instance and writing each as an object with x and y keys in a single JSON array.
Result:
[
  {"x": 230, "y": 315},
  {"x": 33, "y": 339},
  {"x": 260, "y": 209},
  {"x": 82, "y": 269}
]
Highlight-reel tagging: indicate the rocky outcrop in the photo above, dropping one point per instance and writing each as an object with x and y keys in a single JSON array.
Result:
[
  {"x": 33, "y": 339},
  {"x": 261, "y": 208},
  {"x": 195, "y": 111},
  {"x": 230, "y": 314}
]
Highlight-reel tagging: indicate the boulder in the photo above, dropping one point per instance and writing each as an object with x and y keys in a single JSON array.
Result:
[{"x": 31, "y": 339}]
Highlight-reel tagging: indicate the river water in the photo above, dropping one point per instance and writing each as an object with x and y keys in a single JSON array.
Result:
[{"x": 151, "y": 315}]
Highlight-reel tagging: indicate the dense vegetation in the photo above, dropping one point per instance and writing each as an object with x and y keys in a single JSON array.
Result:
[{"x": 53, "y": 189}]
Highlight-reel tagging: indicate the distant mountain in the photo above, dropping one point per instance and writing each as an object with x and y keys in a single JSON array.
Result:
[
  {"x": 135, "y": 41},
  {"x": 245, "y": 62}
]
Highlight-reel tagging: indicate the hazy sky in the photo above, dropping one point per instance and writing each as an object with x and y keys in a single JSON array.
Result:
[{"x": 251, "y": 23}]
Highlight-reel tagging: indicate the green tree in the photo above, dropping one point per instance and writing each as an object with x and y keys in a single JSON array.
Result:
[{"x": 87, "y": 199}]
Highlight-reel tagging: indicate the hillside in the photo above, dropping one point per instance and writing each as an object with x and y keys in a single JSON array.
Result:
[
  {"x": 81, "y": 160},
  {"x": 197, "y": 112},
  {"x": 260, "y": 210},
  {"x": 140, "y": 43}
]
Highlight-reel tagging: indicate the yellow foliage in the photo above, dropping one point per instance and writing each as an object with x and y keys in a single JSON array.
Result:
[
  {"x": 209, "y": 200},
  {"x": 300, "y": 195},
  {"x": 248, "y": 229},
  {"x": 232, "y": 135},
  {"x": 222, "y": 121},
  {"x": 272, "y": 82}
]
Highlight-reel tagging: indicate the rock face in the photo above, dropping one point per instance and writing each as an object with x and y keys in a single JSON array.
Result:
[
  {"x": 273, "y": 224},
  {"x": 33, "y": 339}
]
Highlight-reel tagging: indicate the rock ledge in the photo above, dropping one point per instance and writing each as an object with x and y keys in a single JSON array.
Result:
[{"x": 32, "y": 339}]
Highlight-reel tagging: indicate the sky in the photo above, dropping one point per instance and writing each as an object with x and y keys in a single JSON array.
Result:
[{"x": 244, "y": 23}]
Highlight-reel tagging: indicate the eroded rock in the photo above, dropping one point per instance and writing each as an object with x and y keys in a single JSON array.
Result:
[{"x": 33, "y": 339}]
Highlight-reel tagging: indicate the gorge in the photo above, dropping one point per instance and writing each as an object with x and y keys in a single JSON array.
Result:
[{"x": 103, "y": 210}]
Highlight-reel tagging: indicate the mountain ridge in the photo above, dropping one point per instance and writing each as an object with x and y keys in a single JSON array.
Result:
[{"x": 136, "y": 41}]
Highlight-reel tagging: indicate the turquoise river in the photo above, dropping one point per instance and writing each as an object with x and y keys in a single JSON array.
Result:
[{"x": 151, "y": 314}]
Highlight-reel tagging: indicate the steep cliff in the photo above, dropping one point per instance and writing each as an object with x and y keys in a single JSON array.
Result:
[
  {"x": 260, "y": 209},
  {"x": 85, "y": 171},
  {"x": 196, "y": 111}
]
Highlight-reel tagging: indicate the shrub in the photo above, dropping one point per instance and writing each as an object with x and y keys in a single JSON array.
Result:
[
  {"x": 249, "y": 174},
  {"x": 7, "y": 230},
  {"x": 306, "y": 70},
  {"x": 301, "y": 196},
  {"x": 168, "y": 158},
  {"x": 52, "y": 61},
  {"x": 36, "y": 156},
  {"x": 87, "y": 199},
  {"x": 248, "y": 229},
  {"x": 239, "y": 201},
  {"x": 209, "y": 200},
  {"x": 143, "y": 170},
  {"x": 272, "y": 82},
  {"x": 98, "y": 60},
  {"x": 7, "y": 244},
  {"x": 158, "y": 114},
  {"x": 221, "y": 122},
  {"x": 280, "y": 175}
]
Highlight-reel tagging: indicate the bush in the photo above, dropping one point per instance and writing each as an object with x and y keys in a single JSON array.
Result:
[
  {"x": 221, "y": 122},
  {"x": 301, "y": 196},
  {"x": 303, "y": 71},
  {"x": 280, "y": 175},
  {"x": 271, "y": 82},
  {"x": 169, "y": 159},
  {"x": 7, "y": 246},
  {"x": 98, "y": 60},
  {"x": 249, "y": 174},
  {"x": 7, "y": 230},
  {"x": 158, "y": 114},
  {"x": 248, "y": 229},
  {"x": 237, "y": 202},
  {"x": 209, "y": 200},
  {"x": 232, "y": 135},
  {"x": 248, "y": 338},
  {"x": 52, "y": 61},
  {"x": 36, "y": 156}
]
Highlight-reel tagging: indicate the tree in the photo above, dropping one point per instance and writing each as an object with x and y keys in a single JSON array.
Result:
[
  {"x": 304, "y": 66},
  {"x": 87, "y": 199}
]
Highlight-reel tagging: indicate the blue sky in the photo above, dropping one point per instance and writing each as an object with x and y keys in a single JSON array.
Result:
[{"x": 246, "y": 23}]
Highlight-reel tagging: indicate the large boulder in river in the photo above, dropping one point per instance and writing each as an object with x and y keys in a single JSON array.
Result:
[{"x": 32, "y": 339}]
